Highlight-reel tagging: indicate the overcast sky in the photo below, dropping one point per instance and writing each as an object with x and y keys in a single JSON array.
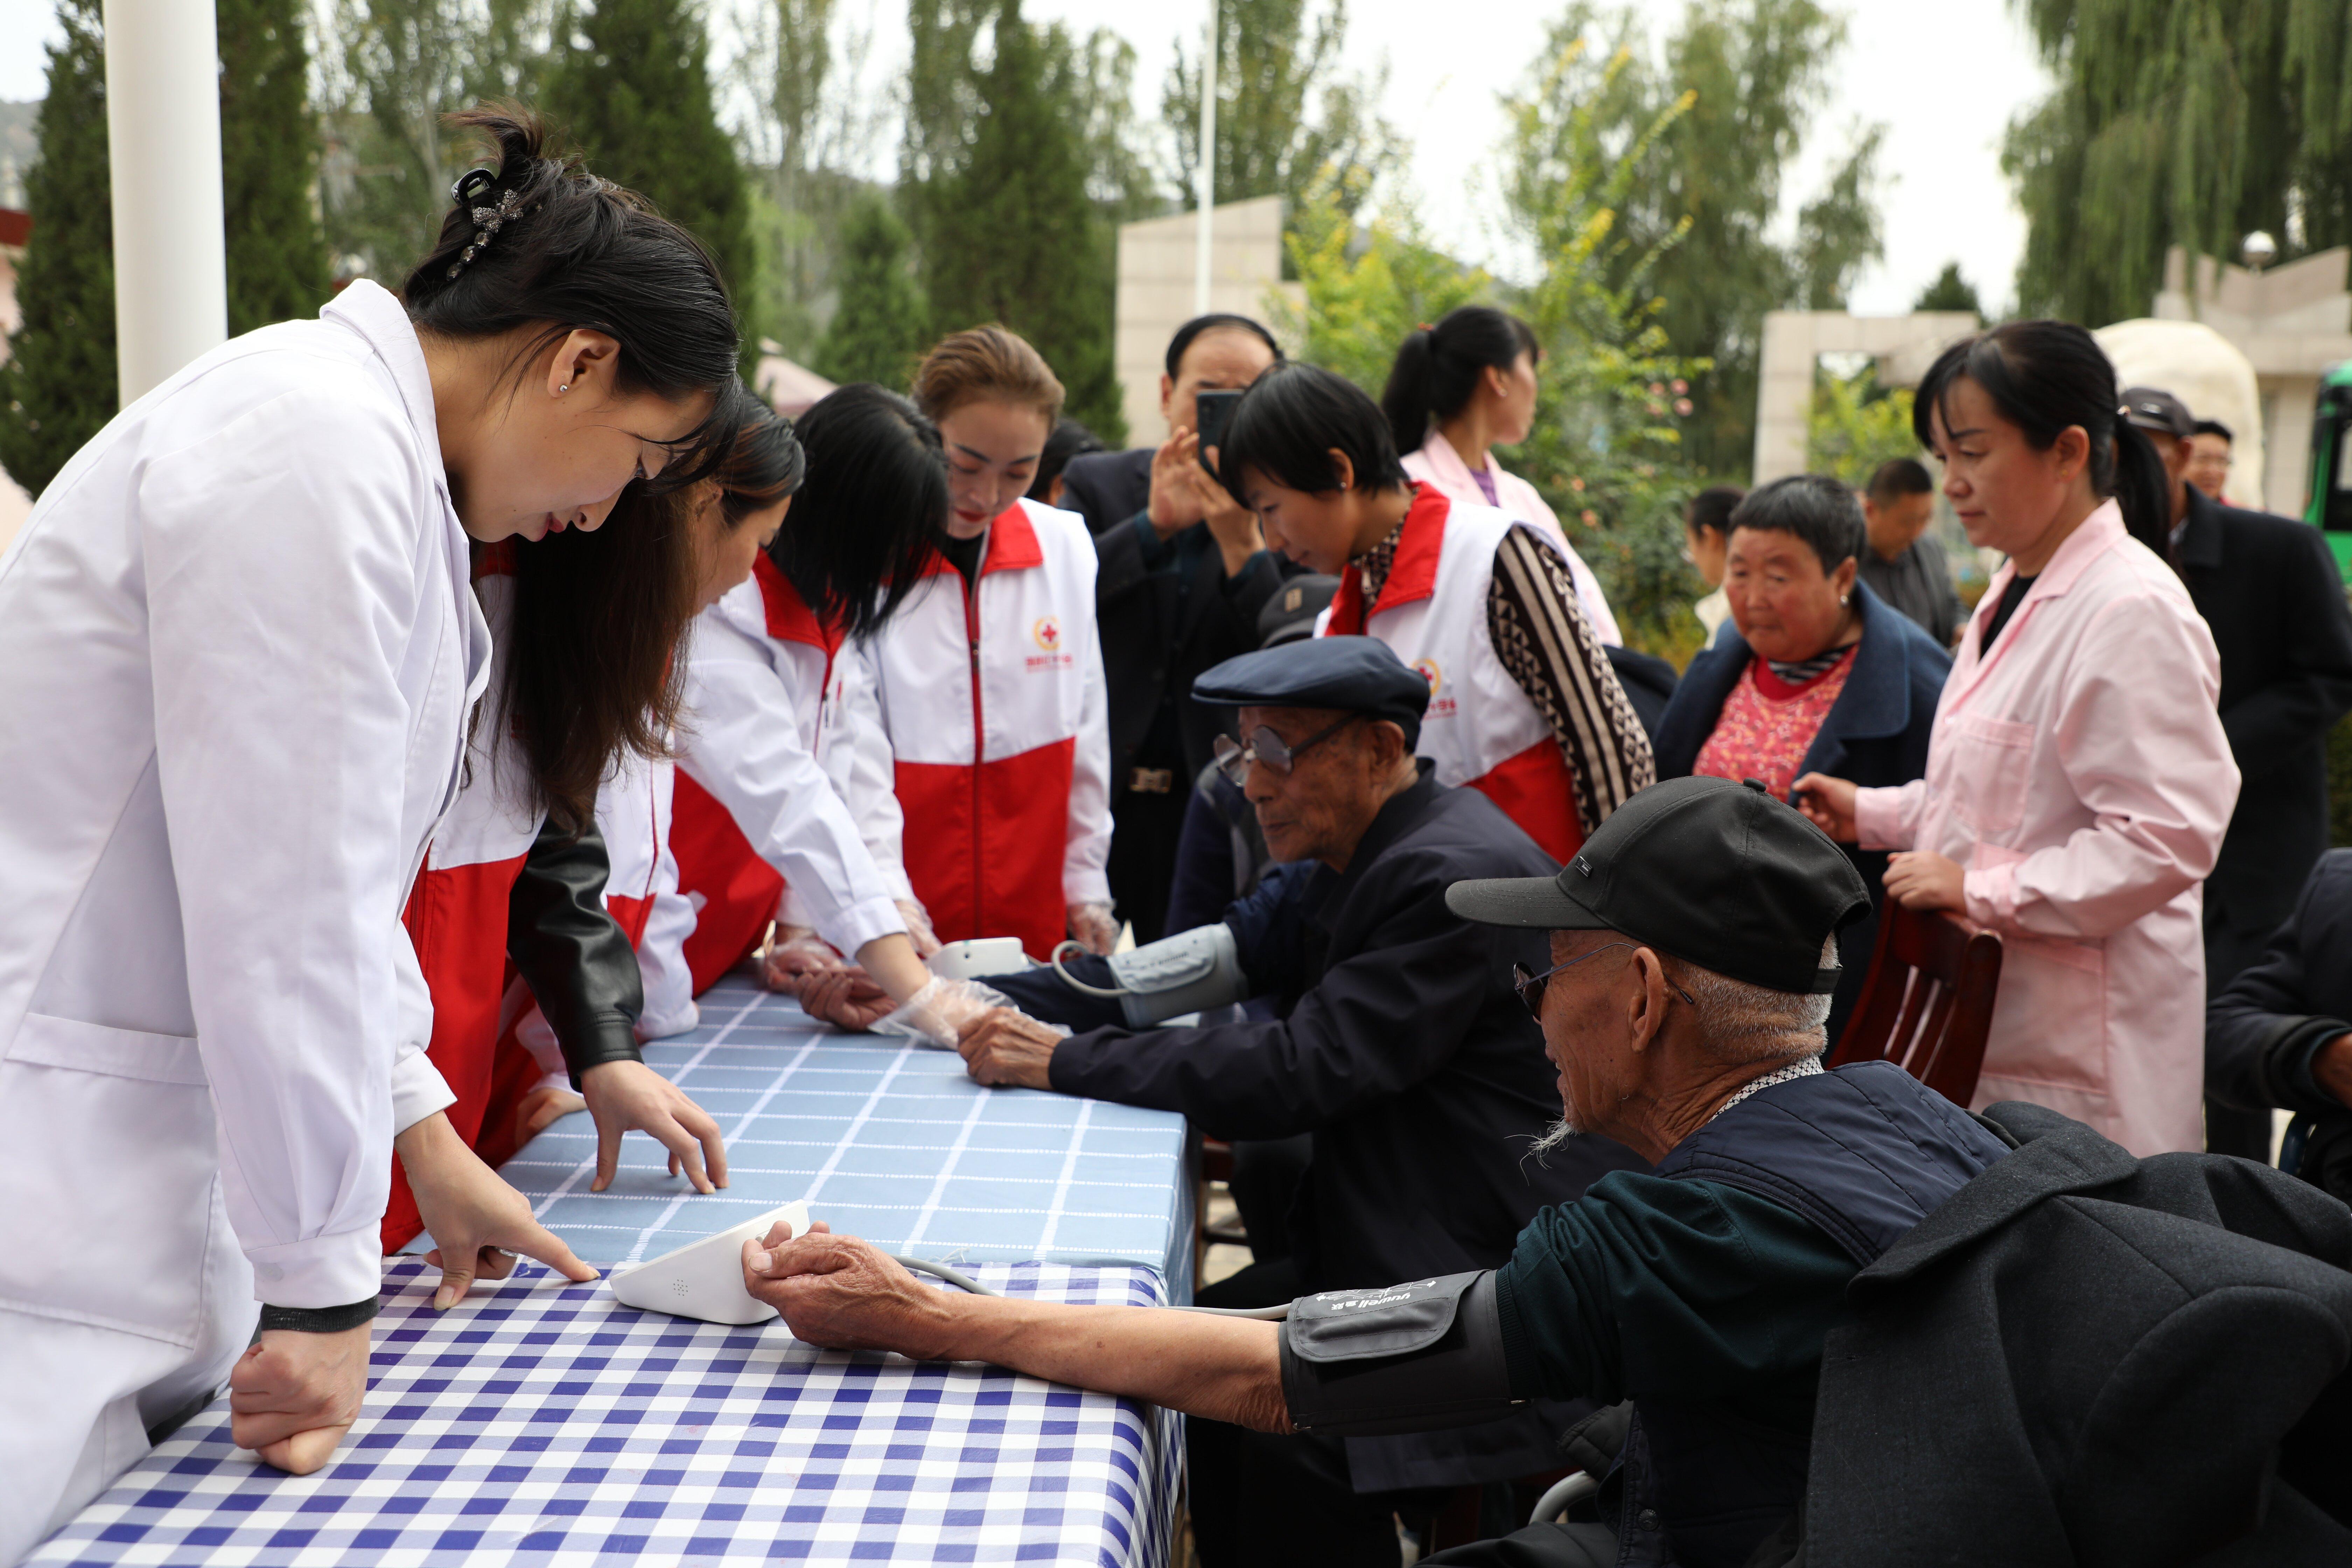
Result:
[{"x": 1945, "y": 80}]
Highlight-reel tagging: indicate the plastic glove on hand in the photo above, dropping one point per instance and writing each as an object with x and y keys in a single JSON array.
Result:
[
  {"x": 1093, "y": 928},
  {"x": 919, "y": 928},
  {"x": 796, "y": 954},
  {"x": 937, "y": 1013}
]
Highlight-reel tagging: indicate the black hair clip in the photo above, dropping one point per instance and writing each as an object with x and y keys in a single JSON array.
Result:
[{"x": 487, "y": 220}]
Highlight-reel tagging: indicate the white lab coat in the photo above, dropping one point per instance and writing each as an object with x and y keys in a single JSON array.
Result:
[{"x": 238, "y": 650}]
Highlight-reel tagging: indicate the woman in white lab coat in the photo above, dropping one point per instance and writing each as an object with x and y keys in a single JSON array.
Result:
[
  {"x": 1456, "y": 391},
  {"x": 237, "y": 654},
  {"x": 2078, "y": 778}
]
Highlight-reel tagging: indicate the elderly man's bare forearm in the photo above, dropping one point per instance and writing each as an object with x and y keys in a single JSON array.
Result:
[{"x": 839, "y": 1291}]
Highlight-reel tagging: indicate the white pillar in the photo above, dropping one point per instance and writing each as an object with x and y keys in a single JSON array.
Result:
[
  {"x": 1204, "y": 177},
  {"x": 162, "y": 121}
]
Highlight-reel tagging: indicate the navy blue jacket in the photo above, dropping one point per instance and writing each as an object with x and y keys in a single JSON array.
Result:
[{"x": 1875, "y": 734}]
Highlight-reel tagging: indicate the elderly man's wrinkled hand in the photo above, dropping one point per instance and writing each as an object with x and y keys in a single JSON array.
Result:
[
  {"x": 840, "y": 1293},
  {"x": 846, "y": 996},
  {"x": 1005, "y": 1048}
]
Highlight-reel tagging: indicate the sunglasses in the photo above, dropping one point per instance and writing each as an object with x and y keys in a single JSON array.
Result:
[
  {"x": 1233, "y": 757},
  {"x": 1530, "y": 987}
]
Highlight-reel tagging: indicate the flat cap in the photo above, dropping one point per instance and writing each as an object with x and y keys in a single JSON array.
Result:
[{"x": 1354, "y": 675}]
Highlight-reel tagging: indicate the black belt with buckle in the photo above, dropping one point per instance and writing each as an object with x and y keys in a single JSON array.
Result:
[{"x": 1150, "y": 781}]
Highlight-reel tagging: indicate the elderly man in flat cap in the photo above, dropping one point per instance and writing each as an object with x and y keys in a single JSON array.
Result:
[
  {"x": 1394, "y": 1040},
  {"x": 1682, "y": 1003}
]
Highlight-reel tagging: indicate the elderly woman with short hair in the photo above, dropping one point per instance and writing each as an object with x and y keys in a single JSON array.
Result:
[{"x": 1813, "y": 674}]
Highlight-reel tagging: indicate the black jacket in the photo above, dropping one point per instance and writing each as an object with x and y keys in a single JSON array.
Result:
[
  {"x": 2270, "y": 590},
  {"x": 2264, "y": 1028},
  {"x": 1402, "y": 1048},
  {"x": 570, "y": 950},
  {"x": 1158, "y": 630},
  {"x": 2084, "y": 1358},
  {"x": 1875, "y": 734}
]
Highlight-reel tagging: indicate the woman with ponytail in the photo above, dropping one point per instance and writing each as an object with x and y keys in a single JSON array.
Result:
[
  {"x": 239, "y": 652},
  {"x": 1461, "y": 388},
  {"x": 784, "y": 818},
  {"x": 2078, "y": 779}
]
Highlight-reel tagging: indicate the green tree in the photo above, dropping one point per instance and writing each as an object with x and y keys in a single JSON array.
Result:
[
  {"x": 269, "y": 156},
  {"x": 1002, "y": 166},
  {"x": 1950, "y": 291},
  {"x": 388, "y": 159},
  {"x": 633, "y": 88},
  {"x": 1748, "y": 79},
  {"x": 881, "y": 324},
  {"x": 1856, "y": 425},
  {"x": 1365, "y": 289},
  {"x": 2189, "y": 123},
  {"x": 1289, "y": 122},
  {"x": 58, "y": 385}
]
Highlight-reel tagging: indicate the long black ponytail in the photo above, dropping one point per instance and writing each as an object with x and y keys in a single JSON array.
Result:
[
  {"x": 2046, "y": 378},
  {"x": 1437, "y": 368}
]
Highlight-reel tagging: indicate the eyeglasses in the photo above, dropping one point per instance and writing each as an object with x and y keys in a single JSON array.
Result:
[
  {"x": 1234, "y": 758},
  {"x": 1530, "y": 987}
]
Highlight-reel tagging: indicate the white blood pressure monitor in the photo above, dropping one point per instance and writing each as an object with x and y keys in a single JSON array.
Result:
[{"x": 704, "y": 1278}]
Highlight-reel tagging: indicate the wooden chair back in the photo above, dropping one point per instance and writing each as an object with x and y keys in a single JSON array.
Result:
[{"x": 1927, "y": 1001}]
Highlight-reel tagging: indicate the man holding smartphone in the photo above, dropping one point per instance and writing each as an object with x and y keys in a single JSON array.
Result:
[{"x": 1183, "y": 575}]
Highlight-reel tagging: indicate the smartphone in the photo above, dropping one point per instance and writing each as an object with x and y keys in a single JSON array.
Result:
[{"x": 1213, "y": 411}]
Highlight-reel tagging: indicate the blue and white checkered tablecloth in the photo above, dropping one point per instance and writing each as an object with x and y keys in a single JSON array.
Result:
[
  {"x": 885, "y": 1140},
  {"x": 544, "y": 1424}
]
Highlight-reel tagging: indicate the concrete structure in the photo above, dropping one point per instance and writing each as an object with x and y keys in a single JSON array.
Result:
[
  {"x": 2205, "y": 370},
  {"x": 163, "y": 126},
  {"x": 1157, "y": 263},
  {"x": 2293, "y": 323},
  {"x": 1794, "y": 341}
]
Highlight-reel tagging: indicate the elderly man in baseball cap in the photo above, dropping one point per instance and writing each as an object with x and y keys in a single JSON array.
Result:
[{"x": 1689, "y": 974}]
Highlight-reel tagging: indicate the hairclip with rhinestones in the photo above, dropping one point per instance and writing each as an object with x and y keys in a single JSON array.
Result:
[{"x": 487, "y": 220}]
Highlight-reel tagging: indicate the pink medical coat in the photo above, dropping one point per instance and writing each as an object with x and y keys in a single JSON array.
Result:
[
  {"x": 1435, "y": 462},
  {"x": 2080, "y": 776}
]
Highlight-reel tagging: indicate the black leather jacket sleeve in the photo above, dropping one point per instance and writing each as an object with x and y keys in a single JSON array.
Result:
[{"x": 571, "y": 951}]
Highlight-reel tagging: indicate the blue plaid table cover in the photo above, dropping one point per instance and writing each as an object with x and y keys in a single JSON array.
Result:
[
  {"x": 885, "y": 1140},
  {"x": 542, "y": 1425}
]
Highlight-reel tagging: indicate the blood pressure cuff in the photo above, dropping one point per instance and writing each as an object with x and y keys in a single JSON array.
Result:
[{"x": 1405, "y": 1358}]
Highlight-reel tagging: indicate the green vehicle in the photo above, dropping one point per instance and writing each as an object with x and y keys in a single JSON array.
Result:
[{"x": 2331, "y": 466}]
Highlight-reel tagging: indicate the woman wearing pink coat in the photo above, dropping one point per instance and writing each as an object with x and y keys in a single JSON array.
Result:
[{"x": 2078, "y": 779}]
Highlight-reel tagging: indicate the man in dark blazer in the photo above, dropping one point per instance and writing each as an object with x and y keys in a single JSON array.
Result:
[
  {"x": 2268, "y": 589},
  {"x": 1181, "y": 575}
]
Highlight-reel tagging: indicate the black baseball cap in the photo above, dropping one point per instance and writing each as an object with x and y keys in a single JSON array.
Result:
[
  {"x": 2152, "y": 408},
  {"x": 1717, "y": 874}
]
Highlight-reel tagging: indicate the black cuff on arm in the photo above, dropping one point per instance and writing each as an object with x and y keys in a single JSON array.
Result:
[
  {"x": 571, "y": 951},
  {"x": 1405, "y": 1358},
  {"x": 2286, "y": 1070},
  {"x": 319, "y": 1319}
]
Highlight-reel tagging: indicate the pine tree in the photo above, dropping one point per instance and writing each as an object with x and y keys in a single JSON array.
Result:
[
  {"x": 60, "y": 385},
  {"x": 269, "y": 156},
  {"x": 1010, "y": 232},
  {"x": 881, "y": 323},
  {"x": 636, "y": 98},
  {"x": 1950, "y": 291}
]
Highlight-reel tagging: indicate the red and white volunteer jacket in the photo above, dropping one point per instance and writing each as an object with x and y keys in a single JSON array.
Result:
[
  {"x": 1480, "y": 729},
  {"x": 755, "y": 806},
  {"x": 993, "y": 706}
]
